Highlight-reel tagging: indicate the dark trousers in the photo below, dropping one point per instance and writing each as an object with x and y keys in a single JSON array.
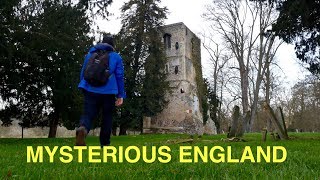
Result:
[{"x": 93, "y": 102}]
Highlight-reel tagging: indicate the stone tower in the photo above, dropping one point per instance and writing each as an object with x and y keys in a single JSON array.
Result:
[{"x": 183, "y": 113}]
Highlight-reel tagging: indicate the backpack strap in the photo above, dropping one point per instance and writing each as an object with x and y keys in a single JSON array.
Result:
[{"x": 103, "y": 56}]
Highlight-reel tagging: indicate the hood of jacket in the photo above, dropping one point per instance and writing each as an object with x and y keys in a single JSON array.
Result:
[{"x": 101, "y": 46}]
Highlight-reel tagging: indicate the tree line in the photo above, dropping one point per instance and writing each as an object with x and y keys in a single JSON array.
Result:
[{"x": 43, "y": 44}]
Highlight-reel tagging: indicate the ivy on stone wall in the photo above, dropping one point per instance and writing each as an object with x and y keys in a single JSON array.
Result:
[{"x": 201, "y": 91}]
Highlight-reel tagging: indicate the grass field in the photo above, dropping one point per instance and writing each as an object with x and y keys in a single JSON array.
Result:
[{"x": 303, "y": 160}]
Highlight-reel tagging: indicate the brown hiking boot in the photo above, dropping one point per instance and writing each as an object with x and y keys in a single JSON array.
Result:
[{"x": 81, "y": 134}]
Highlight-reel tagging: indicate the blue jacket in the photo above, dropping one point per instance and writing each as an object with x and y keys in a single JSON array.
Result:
[{"x": 115, "y": 84}]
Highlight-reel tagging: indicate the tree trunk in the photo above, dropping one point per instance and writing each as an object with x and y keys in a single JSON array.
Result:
[
  {"x": 53, "y": 128},
  {"x": 255, "y": 101},
  {"x": 244, "y": 124},
  {"x": 114, "y": 131},
  {"x": 268, "y": 84},
  {"x": 215, "y": 84},
  {"x": 123, "y": 129},
  {"x": 244, "y": 93},
  {"x": 54, "y": 124},
  {"x": 219, "y": 113},
  {"x": 141, "y": 125},
  {"x": 260, "y": 74},
  {"x": 244, "y": 89}
]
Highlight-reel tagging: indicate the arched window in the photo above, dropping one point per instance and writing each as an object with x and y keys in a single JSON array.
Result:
[
  {"x": 177, "y": 45},
  {"x": 167, "y": 68},
  {"x": 167, "y": 40},
  {"x": 176, "y": 69}
]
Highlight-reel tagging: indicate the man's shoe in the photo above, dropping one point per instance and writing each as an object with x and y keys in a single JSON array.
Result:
[{"x": 81, "y": 134}]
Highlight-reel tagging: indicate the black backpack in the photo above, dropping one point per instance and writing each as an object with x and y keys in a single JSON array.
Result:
[{"x": 97, "y": 69}]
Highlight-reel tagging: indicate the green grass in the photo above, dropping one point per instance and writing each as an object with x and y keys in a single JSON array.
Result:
[{"x": 303, "y": 160}]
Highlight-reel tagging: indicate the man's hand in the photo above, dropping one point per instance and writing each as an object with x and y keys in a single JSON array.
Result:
[{"x": 119, "y": 102}]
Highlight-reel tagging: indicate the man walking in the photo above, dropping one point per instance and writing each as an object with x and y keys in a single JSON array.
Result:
[{"x": 106, "y": 94}]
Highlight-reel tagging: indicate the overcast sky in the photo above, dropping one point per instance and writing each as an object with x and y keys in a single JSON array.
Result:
[{"x": 189, "y": 12}]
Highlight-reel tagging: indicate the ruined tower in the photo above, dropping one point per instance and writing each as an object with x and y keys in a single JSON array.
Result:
[{"x": 183, "y": 113}]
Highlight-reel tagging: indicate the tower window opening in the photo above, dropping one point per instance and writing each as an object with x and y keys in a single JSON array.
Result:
[
  {"x": 167, "y": 40},
  {"x": 167, "y": 68},
  {"x": 176, "y": 69},
  {"x": 177, "y": 45}
]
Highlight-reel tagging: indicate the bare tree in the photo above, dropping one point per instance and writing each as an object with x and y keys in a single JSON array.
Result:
[
  {"x": 218, "y": 58},
  {"x": 305, "y": 103},
  {"x": 227, "y": 21},
  {"x": 266, "y": 52},
  {"x": 243, "y": 26}
]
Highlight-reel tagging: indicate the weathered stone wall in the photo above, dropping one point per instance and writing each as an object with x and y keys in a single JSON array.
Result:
[
  {"x": 210, "y": 127},
  {"x": 15, "y": 131}
]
